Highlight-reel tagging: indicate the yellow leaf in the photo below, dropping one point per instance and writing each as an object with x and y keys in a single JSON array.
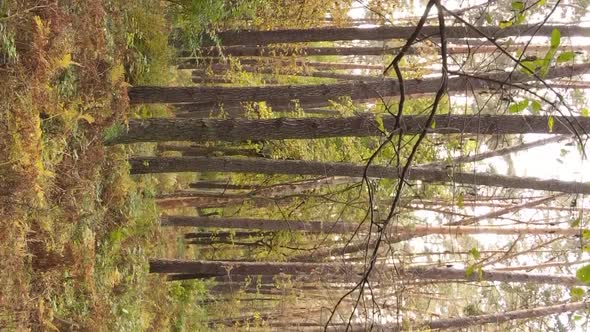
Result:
[
  {"x": 38, "y": 22},
  {"x": 89, "y": 118},
  {"x": 65, "y": 62}
]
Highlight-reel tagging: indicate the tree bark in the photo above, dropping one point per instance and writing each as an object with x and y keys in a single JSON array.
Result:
[
  {"x": 250, "y": 37},
  {"x": 214, "y": 201},
  {"x": 144, "y": 165},
  {"x": 222, "y": 268},
  {"x": 325, "y": 252},
  {"x": 243, "y": 51},
  {"x": 330, "y": 227},
  {"x": 224, "y": 235},
  {"x": 347, "y": 227},
  {"x": 498, "y": 230},
  {"x": 442, "y": 204},
  {"x": 280, "y": 67},
  {"x": 223, "y": 186},
  {"x": 194, "y": 151},
  {"x": 239, "y": 129},
  {"x": 465, "y": 322},
  {"x": 345, "y": 77},
  {"x": 237, "y": 109},
  {"x": 356, "y": 90},
  {"x": 261, "y": 196},
  {"x": 541, "y": 266},
  {"x": 301, "y": 187}
]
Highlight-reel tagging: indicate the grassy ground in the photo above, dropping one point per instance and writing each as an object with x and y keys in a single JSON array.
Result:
[{"x": 75, "y": 229}]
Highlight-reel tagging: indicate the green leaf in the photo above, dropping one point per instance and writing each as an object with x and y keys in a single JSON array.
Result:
[
  {"x": 531, "y": 65},
  {"x": 517, "y": 6},
  {"x": 586, "y": 234},
  {"x": 519, "y": 107},
  {"x": 489, "y": 18},
  {"x": 469, "y": 271},
  {"x": 535, "y": 106},
  {"x": 555, "y": 38},
  {"x": 116, "y": 235},
  {"x": 577, "y": 293},
  {"x": 505, "y": 24},
  {"x": 433, "y": 124},
  {"x": 546, "y": 61},
  {"x": 585, "y": 112},
  {"x": 575, "y": 223},
  {"x": 379, "y": 121},
  {"x": 583, "y": 274},
  {"x": 460, "y": 201},
  {"x": 566, "y": 57},
  {"x": 475, "y": 253},
  {"x": 550, "y": 123}
]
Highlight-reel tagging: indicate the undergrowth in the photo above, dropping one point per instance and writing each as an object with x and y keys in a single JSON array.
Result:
[{"x": 76, "y": 229}]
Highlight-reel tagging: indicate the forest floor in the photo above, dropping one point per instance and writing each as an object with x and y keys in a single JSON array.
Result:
[{"x": 76, "y": 230}]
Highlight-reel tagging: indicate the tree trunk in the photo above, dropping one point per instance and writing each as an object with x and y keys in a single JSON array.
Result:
[
  {"x": 501, "y": 212},
  {"x": 195, "y": 151},
  {"x": 541, "y": 266},
  {"x": 479, "y": 320},
  {"x": 301, "y": 187},
  {"x": 232, "y": 242},
  {"x": 496, "y": 153},
  {"x": 237, "y": 109},
  {"x": 144, "y": 165},
  {"x": 223, "y": 186},
  {"x": 322, "y": 253},
  {"x": 250, "y": 37},
  {"x": 280, "y": 67},
  {"x": 243, "y": 51},
  {"x": 498, "y": 230},
  {"x": 356, "y": 90},
  {"x": 472, "y": 204},
  {"x": 289, "y": 188},
  {"x": 260, "y": 197},
  {"x": 242, "y": 113},
  {"x": 328, "y": 227},
  {"x": 345, "y": 77},
  {"x": 343, "y": 227},
  {"x": 570, "y": 85},
  {"x": 239, "y": 129},
  {"x": 221, "y": 268},
  {"x": 217, "y": 201},
  {"x": 224, "y": 235}
]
